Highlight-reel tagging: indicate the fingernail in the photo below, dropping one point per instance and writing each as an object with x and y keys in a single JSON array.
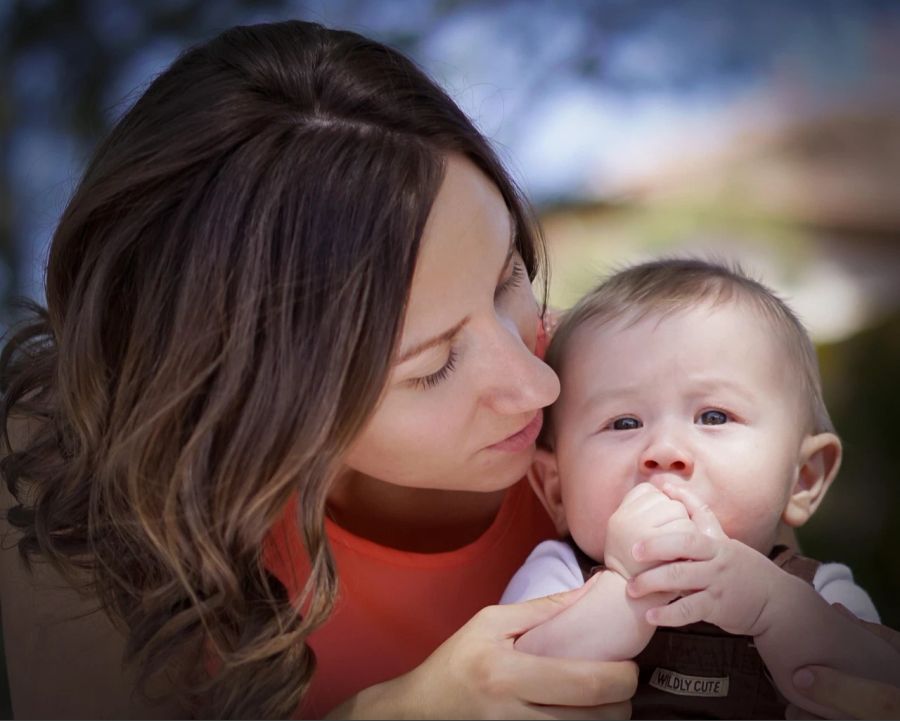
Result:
[
  {"x": 804, "y": 678},
  {"x": 637, "y": 550}
]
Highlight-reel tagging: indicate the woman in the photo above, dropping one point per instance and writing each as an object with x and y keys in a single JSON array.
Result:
[{"x": 275, "y": 414}]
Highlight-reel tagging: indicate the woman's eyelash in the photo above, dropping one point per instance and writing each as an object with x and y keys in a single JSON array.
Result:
[
  {"x": 515, "y": 277},
  {"x": 432, "y": 380}
]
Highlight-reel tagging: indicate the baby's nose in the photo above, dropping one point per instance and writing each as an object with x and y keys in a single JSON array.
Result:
[{"x": 666, "y": 458}]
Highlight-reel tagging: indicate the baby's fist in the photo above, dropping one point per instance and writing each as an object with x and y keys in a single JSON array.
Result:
[{"x": 645, "y": 511}]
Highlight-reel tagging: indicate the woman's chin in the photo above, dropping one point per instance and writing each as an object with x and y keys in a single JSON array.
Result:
[{"x": 502, "y": 470}]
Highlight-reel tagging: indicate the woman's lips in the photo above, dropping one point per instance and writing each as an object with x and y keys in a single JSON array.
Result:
[{"x": 522, "y": 439}]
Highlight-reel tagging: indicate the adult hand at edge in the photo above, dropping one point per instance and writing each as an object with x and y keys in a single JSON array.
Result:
[
  {"x": 477, "y": 673},
  {"x": 850, "y": 696}
]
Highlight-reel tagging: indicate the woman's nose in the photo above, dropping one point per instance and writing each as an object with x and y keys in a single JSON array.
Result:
[
  {"x": 666, "y": 456},
  {"x": 518, "y": 381}
]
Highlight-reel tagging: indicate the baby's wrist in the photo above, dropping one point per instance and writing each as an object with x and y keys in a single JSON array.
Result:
[
  {"x": 625, "y": 564},
  {"x": 613, "y": 563}
]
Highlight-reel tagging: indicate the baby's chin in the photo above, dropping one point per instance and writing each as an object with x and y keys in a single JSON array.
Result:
[{"x": 595, "y": 553}]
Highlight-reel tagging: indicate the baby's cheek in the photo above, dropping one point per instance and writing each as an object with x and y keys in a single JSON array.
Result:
[
  {"x": 589, "y": 530},
  {"x": 755, "y": 527}
]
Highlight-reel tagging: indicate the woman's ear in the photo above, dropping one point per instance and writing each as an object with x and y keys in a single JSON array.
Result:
[
  {"x": 820, "y": 459},
  {"x": 544, "y": 479}
]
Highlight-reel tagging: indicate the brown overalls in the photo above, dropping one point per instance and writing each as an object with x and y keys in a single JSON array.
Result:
[{"x": 699, "y": 671}]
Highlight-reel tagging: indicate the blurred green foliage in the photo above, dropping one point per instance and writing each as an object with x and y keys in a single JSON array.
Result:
[{"x": 859, "y": 521}]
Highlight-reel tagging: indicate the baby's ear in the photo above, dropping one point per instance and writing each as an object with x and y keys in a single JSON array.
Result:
[
  {"x": 820, "y": 459},
  {"x": 544, "y": 479}
]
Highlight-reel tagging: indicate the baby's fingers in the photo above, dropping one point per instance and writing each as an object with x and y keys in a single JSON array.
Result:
[
  {"x": 683, "y": 611},
  {"x": 680, "y": 577},
  {"x": 674, "y": 547},
  {"x": 700, "y": 512}
]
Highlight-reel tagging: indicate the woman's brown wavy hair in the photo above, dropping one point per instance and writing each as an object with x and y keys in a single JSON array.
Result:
[{"x": 224, "y": 293}]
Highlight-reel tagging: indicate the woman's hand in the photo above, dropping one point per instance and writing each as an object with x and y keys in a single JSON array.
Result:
[
  {"x": 477, "y": 673},
  {"x": 851, "y": 696}
]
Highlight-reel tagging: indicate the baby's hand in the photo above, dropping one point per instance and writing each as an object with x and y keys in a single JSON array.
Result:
[
  {"x": 645, "y": 512},
  {"x": 720, "y": 580}
]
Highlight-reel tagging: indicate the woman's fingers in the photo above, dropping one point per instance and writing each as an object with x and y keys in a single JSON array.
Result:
[
  {"x": 512, "y": 620},
  {"x": 850, "y": 695},
  {"x": 567, "y": 682},
  {"x": 700, "y": 512},
  {"x": 610, "y": 711},
  {"x": 478, "y": 673}
]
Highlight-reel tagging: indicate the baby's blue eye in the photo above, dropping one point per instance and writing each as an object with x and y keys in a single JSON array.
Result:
[
  {"x": 625, "y": 423},
  {"x": 713, "y": 418}
]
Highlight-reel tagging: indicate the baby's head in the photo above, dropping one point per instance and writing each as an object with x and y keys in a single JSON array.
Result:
[{"x": 688, "y": 371}]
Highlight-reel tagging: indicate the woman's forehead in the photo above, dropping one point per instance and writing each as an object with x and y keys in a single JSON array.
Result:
[{"x": 466, "y": 241}]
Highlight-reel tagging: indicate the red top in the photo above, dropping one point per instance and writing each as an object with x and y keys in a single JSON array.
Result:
[{"x": 395, "y": 607}]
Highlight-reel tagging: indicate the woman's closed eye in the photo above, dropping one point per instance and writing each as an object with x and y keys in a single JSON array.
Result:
[
  {"x": 515, "y": 277},
  {"x": 431, "y": 380}
]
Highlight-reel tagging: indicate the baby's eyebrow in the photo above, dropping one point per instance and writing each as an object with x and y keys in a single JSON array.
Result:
[
  {"x": 706, "y": 385},
  {"x": 612, "y": 394}
]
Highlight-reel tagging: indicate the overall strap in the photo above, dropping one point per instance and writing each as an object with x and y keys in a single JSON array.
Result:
[
  {"x": 795, "y": 564},
  {"x": 587, "y": 564}
]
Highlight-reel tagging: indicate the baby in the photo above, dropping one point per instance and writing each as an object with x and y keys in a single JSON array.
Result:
[{"x": 690, "y": 437}]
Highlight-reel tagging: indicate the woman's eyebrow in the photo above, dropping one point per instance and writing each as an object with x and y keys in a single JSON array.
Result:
[{"x": 431, "y": 342}]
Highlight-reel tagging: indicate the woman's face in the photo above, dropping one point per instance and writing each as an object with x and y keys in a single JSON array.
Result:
[{"x": 463, "y": 401}]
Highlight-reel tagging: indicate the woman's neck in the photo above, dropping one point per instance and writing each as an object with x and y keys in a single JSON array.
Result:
[{"x": 420, "y": 520}]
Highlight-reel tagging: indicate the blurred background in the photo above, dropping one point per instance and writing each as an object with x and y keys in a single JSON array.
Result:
[{"x": 765, "y": 131}]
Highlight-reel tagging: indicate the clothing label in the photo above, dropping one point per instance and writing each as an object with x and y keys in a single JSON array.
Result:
[{"x": 683, "y": 685}]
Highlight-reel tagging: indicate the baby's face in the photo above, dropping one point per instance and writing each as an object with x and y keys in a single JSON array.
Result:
[{"x": 705, "y": 397}]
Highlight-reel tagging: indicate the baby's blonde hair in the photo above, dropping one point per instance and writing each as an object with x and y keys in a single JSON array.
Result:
[{"x": 670, "y": 285}]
